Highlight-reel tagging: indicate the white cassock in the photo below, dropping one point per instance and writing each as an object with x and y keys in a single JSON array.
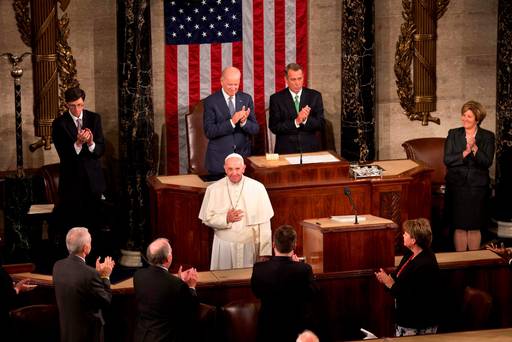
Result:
[{"x": 238, "y": 244}]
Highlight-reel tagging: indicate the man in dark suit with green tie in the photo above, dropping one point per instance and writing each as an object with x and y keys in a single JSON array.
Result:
[{"x": 296, "y": 115}]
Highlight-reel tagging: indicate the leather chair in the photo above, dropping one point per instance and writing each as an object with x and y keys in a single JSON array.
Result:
[
  {"x": 36, "y": 322},
  {"x": 50, "y": 174},
  {"x": 240, "y": 320},
  {"x": 196, "y": 140},
  {"x": 207, "y": 318},
  {"x": 430, "y": 151},
  {"x": 476, "y": 310}
]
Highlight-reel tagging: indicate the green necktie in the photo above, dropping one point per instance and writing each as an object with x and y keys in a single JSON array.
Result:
[{"x": 296, "y": 101}]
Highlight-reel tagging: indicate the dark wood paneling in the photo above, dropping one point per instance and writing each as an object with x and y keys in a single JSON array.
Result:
[{"x": 297, "y": 192}]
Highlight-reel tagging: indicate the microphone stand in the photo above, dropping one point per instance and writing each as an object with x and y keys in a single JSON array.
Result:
[
  {"x": 353, "y": 208},
  {"x": 347, "y": 193},
  {"x": 299, "y": 144}
]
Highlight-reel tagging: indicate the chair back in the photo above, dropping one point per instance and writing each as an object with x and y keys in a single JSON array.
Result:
[
  {"x": 431, "y": 152},
  {"x": 240, "y": 320},
  {"x": 476, "y": 311},
  {"x": 196, "y": 140},
  {"x": 36, "y": 322},
  {"x": 51, "y": 174}
]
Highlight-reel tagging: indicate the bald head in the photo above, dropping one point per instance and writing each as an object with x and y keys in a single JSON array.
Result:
[
  {"x": 159, "y": 252},
  {"x": 307, "y": 336},
  {"x": 230, "y": 80}
]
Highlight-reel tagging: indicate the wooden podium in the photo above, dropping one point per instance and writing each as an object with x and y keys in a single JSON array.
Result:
[
  {"x": 334, "y": 246},
  {"x": 297, "y": 192}
]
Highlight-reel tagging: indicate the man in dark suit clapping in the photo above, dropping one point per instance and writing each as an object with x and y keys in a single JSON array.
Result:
[
  {"x": 228, "y": 122},
  {"x": 296, "y": 114},
  {"x": 78, "y": 138},
  {"x": 167, "y": 304},
  {"x": 82, "y": 292}
]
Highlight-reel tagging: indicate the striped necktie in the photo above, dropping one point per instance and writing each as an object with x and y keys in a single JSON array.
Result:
[{"x": 296, "y": 101}]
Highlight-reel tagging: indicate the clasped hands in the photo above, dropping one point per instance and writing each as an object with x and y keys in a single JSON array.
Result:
[
  {"x": 241, "y": 116},
  {"x": 234, "y": 215},
  {"x": 384, "y": 278},
  {"x": 470, "y": 146},
  {"x": 189, "y": 276},
  {"x": 84, "y": 136},
  {"x": 105, "y": 268},
  {"x": 23, "y": 286},
  {"x": 303, "y": 115}
]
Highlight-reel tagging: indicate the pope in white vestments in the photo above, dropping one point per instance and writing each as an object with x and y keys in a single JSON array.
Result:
[{"x": 239, "y": 210}]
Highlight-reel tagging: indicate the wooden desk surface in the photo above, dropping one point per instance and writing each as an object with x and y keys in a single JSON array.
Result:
[
  {"x": 183, "y": 180},
  {"x": 327, "y": 224},
  {"x": 261, "y": 161},
  {"x": 493, "y": 335},
  {"x": 209, "y": 278},
  {"x": 396, "y": 167},
  {"x": 469, "y": 258}
]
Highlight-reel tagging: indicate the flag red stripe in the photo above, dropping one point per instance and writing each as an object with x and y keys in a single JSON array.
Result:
[
  {"x": 238, "y": 60},
  {"x": 259, "y": 62},
  {"x": 215, "y": 66},
  {"x": 301, "y": 34},
  {"x": 279, "y": 43},
  {"x": 171, "y": 108},
  {"x": 194, "y": 73}
]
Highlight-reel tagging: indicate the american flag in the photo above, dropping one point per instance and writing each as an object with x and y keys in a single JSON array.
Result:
[{"x": 259, "y": 37}]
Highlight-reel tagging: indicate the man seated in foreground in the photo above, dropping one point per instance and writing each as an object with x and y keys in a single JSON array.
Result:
[
  {"x": 239, "y": 210},
  {"x": 166, "y": 304}
]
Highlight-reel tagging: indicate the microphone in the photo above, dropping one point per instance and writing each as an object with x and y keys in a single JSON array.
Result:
[{"x": 346, "y": 191}]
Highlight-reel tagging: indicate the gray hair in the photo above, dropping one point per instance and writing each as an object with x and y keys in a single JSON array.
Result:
[
  {"x": 76, "y": 239},
  {"x": 158, "y": 251}
]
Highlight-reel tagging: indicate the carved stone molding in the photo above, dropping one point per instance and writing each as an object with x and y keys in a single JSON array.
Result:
[
  {"x": 54, "y": 67},
  {"x": 390, "y": 209},
  {"x": 358, "y": 81},
  {"x": 416, "y": 43},
  {"x": 504, "y": 112}
]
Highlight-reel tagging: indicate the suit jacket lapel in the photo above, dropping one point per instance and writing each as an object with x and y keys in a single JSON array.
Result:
[
  {"x": 85, "y": 119},
  {"x": 238, "y": 102},
  {"x": 70, "y": 124},
  {"x": 290, "y": 103},
  {"x": 304, "y": 98},
  {"x": 223, "y": 102}
]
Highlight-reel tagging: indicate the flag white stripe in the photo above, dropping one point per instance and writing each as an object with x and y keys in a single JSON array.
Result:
[
  {"x": 183, "y": 90},
  {"x": 247, "y": 47},
  {"x": 290, "y": 31},
  {"x": 205, "y": 70},
  {"x": 227, "y": 55},
  {"x": 269, "y": 44}
]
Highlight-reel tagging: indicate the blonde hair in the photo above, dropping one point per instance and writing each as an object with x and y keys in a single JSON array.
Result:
[
  {"x": 419, "y": 230},
  {"x": 477, "y": 109}
]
